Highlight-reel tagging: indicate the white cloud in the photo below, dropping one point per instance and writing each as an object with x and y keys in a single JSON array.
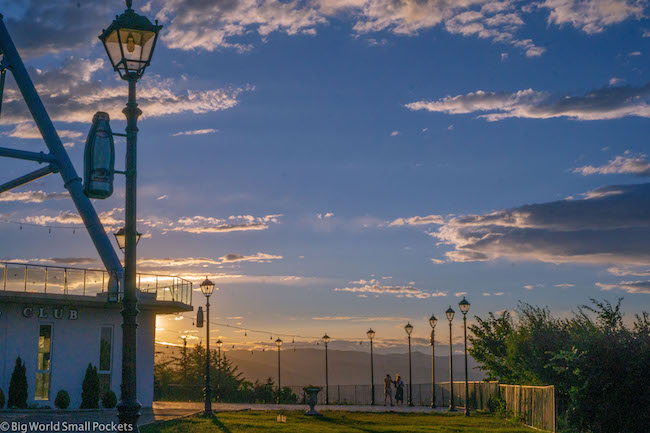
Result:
[
  {"x": 77, "y": 100},
  {"x": 637, "y": 287},
  {"x": 622, "y": 164},
  {"x": 200, "y": 224},
  {"x": 196, "y": 132},
  {"x": 605, "y": 103},
  {"x": 437, "y": 261},
  {"x": 325, "y": 216},
  {"x": 634, "y": 53},
  {"x": 28, "y": 130},
  {"x": 394, "y": 133},
  {"x": 624, "y": 272},
  {"x": 565, "y": 285},
  {"x": 256, "y": 258},
  {"x": 609, "y": 229},
  {"x": 592, "y": 16},
  {"x": 162, "y": 197},
  {"x": 359, "y": 319},
  {"x": 377, "y": 288},
  {"x": 32, "y": 196},
  {"x": 615, "y": 81},
  {"x": 417, "y": 220},
  {"x": 209, "y": 25}
]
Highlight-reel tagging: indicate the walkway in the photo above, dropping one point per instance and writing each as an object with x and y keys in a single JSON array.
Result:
[{"x": 229, "y": 407}]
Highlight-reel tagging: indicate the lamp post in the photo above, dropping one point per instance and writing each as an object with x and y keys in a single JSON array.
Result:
[
  {"x": 409, "y": 329},
  {"x": 371, "y": 335},
  {"x": 207, "y": 287},
  {"x": 433, "y": 321},
  {"x": 326, "y": 339},
  {"x": 219, "y": 344},
  {"x": 129, "y": 42},
  {"x": 450, "y": 316},
  {"x": 464, "y": 308},
  {"x": 278, "y": 343}
]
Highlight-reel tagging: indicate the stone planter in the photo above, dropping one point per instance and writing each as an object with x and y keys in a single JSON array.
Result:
[{"x": 312, "y": 399}]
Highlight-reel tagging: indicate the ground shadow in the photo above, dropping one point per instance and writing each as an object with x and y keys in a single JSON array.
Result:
[{"x": 216, "y": 421}]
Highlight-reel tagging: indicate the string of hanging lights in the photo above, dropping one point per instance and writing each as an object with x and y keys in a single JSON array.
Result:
[{"x": 22, "y": 224}]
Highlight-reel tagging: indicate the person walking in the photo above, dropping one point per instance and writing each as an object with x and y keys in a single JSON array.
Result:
[
  {"x": 388, "y": 390},
  {"x": 399, "y": 390}
]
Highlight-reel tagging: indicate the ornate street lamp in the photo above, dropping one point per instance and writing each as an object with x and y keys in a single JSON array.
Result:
[
  {"x": 464, "y": 308},
  {"x": 409, "y": 329},
  {"x": 278, "y": 343},
  {"x": 120, "y": 238},
  {"x": 450, "y": 316},
  {"x": 433, "y": 321},
  {"x": 326, "y": 339},
  {"x": 371, "y": 335},
  {"x": 207, "y": 287},
  {"x": 219, "y": 344},
  {"x": 130, "y": 41}
]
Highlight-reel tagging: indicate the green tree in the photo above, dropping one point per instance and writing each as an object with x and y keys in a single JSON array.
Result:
[
  {"x": 597, "y": 363},
  {"x": 18, "y": 386},
  {"x": 90, "y": 389}
]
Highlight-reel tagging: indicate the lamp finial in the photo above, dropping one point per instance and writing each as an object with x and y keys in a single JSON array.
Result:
[{"x": 128, "y": 4}]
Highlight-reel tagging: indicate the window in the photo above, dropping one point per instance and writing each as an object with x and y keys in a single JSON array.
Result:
[
  {"x": 44, "y": 362},
  {"x": 105, "y": 358}
]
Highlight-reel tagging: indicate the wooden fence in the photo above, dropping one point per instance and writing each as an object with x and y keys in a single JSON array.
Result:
[{"x": 535, "y": 405}]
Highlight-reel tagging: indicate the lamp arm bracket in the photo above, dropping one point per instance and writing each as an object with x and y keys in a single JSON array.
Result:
[{"x": 119, "y": 134}]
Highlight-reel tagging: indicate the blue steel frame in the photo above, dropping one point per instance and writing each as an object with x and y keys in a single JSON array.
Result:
[{"x": 58, "y": 161}]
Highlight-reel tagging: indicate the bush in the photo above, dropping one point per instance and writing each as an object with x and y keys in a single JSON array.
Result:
[
  {"x": 62, "y": 400},
  {"x": 90, "y": 389},
  {"x": 2, "y": 399},
  {"x": 18, "y": 386},
  {"x": 109, "y": 399},
  {"x": 497, "y": 405},
  {"x": 598, "y": 363}
]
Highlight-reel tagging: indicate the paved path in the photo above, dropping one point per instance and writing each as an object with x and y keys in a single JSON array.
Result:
[{"x": 228, "y": 407}]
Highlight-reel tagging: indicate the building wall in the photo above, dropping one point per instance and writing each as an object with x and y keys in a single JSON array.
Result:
[{"x": 75, "y": 343}]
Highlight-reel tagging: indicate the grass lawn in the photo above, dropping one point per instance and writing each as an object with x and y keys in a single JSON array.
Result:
[{"x": 337, "y": 422}]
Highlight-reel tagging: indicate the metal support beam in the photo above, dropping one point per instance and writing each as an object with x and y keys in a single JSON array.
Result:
[
  {"x": 72, "y": 181},
  {"x": 39, "y": 157},
  {"x": 22, "y": 180}
]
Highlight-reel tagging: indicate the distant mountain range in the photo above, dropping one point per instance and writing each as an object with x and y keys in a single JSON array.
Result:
[{"x": 307, "y": 366}]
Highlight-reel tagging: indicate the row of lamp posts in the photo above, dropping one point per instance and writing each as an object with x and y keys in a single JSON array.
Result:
[
  {"x": 207, "y": 287},
  {"x": 433, "y": 321}
]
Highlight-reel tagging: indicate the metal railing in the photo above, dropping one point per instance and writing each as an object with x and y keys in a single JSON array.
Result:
[
  {"x": 534, "y": 405},
  {"x": 479, "y": 394},
  {"x": 31, "y": 278}
]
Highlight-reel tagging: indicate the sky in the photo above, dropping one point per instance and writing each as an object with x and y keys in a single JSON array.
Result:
[{"x": 335, "y": 165}]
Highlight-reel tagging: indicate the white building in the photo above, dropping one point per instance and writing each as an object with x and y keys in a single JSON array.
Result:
[{"x": 58, "y": 320}]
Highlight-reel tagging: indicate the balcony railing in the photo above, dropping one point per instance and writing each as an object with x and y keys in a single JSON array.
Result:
[{"x": 31, "y": 278}]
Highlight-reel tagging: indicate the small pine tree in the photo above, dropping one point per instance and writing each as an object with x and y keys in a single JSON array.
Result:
[
  {"x": 90, "y": 389},
  {"x": 2, "y": 399},
  {"x": 109, "y": 399},
  {"x": 62, "y": 400},
  {"x": 18, "y": 386}
]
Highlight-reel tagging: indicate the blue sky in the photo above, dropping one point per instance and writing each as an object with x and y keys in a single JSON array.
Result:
[{"x": 340, "y": 164}]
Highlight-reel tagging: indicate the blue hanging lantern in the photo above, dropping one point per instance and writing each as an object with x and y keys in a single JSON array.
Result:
[{"x": 99, "y": 158}]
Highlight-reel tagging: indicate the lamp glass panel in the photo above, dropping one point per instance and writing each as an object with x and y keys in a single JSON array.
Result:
[
  {"x": 450, "y": 314},
  {"x": 120, "y": 237},
  {"x": 112, "y": 45},
  {"x": 371, "y": 334}
]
